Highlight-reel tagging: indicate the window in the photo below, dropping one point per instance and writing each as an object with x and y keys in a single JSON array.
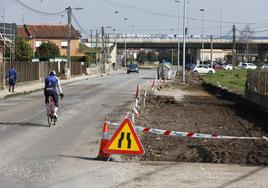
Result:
[
  {"x": 38, "y": 43},
  {"x": 64, "y": 44}
]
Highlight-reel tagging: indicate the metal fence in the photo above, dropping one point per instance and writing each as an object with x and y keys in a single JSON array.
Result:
[{"x": 257, "y": 81}]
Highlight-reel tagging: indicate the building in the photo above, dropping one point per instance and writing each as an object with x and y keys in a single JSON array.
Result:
[{"x": 37, "y": 34}]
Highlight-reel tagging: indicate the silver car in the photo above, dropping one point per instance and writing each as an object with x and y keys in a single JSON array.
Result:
[
  {"x": 264, "y": 67},
  {"x": 203, "y": 69}
]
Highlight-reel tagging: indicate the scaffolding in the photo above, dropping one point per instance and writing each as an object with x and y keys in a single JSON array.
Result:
[
  {"x": 7, "y": 36},
  {"x": 7, "y": 44}
]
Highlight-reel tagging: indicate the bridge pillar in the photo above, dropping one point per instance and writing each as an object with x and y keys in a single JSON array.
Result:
[
  {"x": 2, "y": 72},
  {"x": 195, "y": 53},
  {"x": 263, "y": 54}
]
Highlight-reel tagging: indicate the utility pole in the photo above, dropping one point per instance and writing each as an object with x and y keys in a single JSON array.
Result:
[
  {"x": 115, "y": 37},
  {"x": 202, "y": 58},
  {"x": 172, "y": 56},
  {"x": 108, "y": 46},
  {"x": 234, "y": 46},
  {"x": 220, "y": 19},
  {"x": 91, "y": 38},
  {"x": 96, "y": 40},
  {"x": 184, "y": 48},
  {"x": 103, "y": 52},
  {"x": 177, "y": 1},
  {"x": 211, "y": 51},
  {"x": 125, "y": 19},
  {"x": 68, "y": 65}
]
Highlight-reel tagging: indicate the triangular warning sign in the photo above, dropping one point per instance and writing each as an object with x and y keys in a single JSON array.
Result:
[{"x": 124, "y": 141}]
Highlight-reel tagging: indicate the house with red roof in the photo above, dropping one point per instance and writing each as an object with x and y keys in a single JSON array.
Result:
[{"x": 37, "y": 34}]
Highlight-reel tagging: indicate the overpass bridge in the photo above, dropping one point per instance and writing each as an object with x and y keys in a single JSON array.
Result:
[
  {"x": 258, "y": 46},
  {"x": 191, "y": 43}
]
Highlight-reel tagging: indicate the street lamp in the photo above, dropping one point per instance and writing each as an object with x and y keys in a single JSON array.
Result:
[
  {"x": 115, "y": 37},
  {"x": 176, "y": 1},
  {"x": 125, "y": 21},
  {"x": 220, "y": 18},
  {"x": 202, "y": 58},
  {"x": 184, "y": 49}
]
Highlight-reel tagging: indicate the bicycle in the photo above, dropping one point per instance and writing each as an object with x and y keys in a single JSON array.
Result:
[{"x": 50, "y": 114}]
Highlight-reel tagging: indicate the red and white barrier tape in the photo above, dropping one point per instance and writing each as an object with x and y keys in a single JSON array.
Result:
[
  {"x": 189, "y": 134},
  {"x": 112, "y": 123},
  {"x": 157, "y": 83},
  {"x": 193, "y": 135},
  {"x": 137, "y": 103},
  {"x": 136, "y": 111}
]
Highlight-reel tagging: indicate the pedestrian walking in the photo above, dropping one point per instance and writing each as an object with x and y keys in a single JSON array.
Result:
[{"x": 12, "y": 78}]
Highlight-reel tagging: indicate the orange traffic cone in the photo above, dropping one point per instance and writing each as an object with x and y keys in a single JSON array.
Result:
[{"x": 104, "y": 141}]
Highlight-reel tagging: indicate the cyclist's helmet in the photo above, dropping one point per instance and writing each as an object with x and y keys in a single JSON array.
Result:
[{"x": 52, "y": 72}]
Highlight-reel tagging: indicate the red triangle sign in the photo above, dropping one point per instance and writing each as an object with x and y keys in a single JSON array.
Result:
[{"x": 125, "y": 141}]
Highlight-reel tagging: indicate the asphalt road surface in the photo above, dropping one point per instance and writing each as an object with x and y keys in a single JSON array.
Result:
[{"x": 34, "y": 155}]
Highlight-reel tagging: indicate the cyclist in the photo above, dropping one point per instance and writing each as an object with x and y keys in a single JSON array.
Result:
[{"x": 51, "y": 83}]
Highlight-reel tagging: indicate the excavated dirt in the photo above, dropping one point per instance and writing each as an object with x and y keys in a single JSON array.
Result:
[{"x": 199, "y": 111}]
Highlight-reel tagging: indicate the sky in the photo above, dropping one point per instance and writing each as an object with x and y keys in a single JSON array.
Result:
[{"x": 145, "y": 16}]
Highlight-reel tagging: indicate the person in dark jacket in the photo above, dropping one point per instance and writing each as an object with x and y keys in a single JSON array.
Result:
[
  {"x": 52, "y": 83},
  {"x": 12, "y": 78}
]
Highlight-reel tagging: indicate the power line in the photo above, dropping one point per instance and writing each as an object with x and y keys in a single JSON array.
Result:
[
  {"x": 170, "y": 15},
  {"x": 80, "y": 26},
  {"x": 33, "y": 14},
  {"x": 24, "y": 6}
]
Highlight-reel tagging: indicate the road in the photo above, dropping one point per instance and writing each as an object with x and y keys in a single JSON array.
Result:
[
  {"x": 31, "y": 152},
  {"x": 34, "y": 155}
]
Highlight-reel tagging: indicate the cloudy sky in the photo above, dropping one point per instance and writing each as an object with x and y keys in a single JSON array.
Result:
[{"x": 145, "y": 16}]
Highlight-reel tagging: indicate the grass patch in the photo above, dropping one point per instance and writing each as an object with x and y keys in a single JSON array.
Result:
[{"x": 233, "y": 80}]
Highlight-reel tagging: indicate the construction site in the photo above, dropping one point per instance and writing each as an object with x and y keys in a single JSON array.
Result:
[{"x": 195, "y": 109}]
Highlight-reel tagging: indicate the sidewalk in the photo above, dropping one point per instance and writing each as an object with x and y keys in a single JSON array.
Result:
[{"x": 32, "y": 87}]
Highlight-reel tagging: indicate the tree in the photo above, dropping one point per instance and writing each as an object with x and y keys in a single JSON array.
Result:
[
  {"x": 23, "y": 51},
  {"x": 142, "y": 56},
  {"x": 47, "y": 49},
  {"x": 246, "y": 36},
  {"x": 164, "y": 55},
  {"x": 152, "y": 56}
]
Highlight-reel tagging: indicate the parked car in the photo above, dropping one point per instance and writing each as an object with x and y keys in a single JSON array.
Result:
[
  {"x": 133, "y": 68},
  {"x": 228, "y": 67},
  {"x": 203, "y": 69},
  {"x": 264, "y": 67},
  {"x": 190, "y": 66},
  {"x": 248, "y": 66}
]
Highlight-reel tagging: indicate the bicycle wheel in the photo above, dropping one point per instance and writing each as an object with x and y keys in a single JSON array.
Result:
[
  {"x": 54, "y": 121},
  {"x": 50, "y": 117},
  {"x": 49, "y": 120}
]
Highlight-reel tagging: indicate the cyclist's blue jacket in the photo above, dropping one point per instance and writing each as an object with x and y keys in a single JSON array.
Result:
[{"x": 51, "y": 83}]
